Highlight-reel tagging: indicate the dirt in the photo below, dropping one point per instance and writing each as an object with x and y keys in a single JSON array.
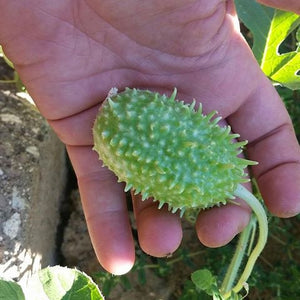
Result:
[{"x": 32, "y": 172}]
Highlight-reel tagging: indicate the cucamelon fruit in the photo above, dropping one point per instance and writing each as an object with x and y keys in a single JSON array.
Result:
[{"x": 165, "y": 149}]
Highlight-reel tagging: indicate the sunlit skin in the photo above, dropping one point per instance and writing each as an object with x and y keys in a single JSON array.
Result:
[
  {"x": 70, "y": 53},
  {"x": 290, "y": 5}
]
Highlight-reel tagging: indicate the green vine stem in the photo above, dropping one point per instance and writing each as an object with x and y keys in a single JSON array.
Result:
[
  {"x": 8, "y": 81},
  {"x": 231, "y": 274},
  {"x": 238, "y": 256}
]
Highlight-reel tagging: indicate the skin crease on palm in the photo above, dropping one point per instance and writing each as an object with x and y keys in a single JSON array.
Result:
[{"x": 70, "y": 53}]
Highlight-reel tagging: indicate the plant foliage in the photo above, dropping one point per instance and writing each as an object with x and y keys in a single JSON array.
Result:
[
  {"x": 53, "y": 283},
  {"x": 10, "y": 290},
  {"x": 270, "y": 27}
]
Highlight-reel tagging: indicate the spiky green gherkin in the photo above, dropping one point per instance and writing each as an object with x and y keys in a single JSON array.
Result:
[{"x": 163, "y": 148}]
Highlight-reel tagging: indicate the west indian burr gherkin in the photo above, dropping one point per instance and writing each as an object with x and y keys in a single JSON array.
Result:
[{"x": 165, "y": 149}]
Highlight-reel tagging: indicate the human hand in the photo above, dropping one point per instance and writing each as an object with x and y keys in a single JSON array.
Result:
[
  {"x": 290, "y": 5},
  {"x": 69, "y": 54}
]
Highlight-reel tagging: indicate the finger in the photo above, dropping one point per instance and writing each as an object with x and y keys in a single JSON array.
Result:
[
  {"x": 290, "y": 5},
  {"x": 219, "y": 225},
  {"x": 159, "y": 231},
  {"x": 105, "y": 210},
  {"x": 265, "y": 123}
]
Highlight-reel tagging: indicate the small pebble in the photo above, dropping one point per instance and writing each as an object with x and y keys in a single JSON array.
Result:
[
  {"x": 10, "y": 118},
  {"x": 33, "y": 150},
  {"x": 12, "y": 226}
]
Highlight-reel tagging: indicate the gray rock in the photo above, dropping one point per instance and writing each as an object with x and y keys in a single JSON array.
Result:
[{"x": 32, "y": 183}]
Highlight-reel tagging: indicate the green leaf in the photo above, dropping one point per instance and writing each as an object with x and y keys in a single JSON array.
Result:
[
  {"x": 59, "y": 283},
  {"x": 204, "y": 280},
  {"x": 125, "y": 282},
  {"x": 270, "y": 27},
  {"x": 10, "y": 290},
  {"x": 109, "y": 283},
  {"x": 298, "y": 35},
  {"x": 191, "y": 293}
]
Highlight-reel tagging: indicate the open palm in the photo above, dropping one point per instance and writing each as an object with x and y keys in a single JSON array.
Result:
[{"x": 70, "y": 53}]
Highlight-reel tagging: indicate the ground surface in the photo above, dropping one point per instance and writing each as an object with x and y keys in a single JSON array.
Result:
[{"x": 32, "y": 179}]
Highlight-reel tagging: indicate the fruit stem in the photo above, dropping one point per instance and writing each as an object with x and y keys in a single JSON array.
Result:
[
  {"x": 261, "y": 217},
  {"x": 238, "y": 256}
]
